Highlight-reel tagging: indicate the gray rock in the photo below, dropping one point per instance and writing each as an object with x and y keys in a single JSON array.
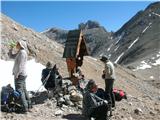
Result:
[
  {"x": 76, "y": 97},
  {"x": 66, "y": 82},
  {"x": 70, "y": 88},
  {"x": 152, "y": 113},
  {"x": 58, "y": 112},
  {"x": 66, "y": 97},
  {"x": 61, "y": 100},
  {"x": 138, "y": 111}
]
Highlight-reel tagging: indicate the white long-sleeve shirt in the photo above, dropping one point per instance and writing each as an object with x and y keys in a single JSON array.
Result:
[
  {"x": 109, "y": 70},
  {"x": 20, "y": 63}
]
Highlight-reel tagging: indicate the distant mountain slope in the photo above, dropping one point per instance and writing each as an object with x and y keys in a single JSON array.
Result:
[
  {"x": 56, "y": 34},
  {"x": 95, "y": 35},
  {"x": 139, "y": 38},
  {"x": 137, "y": 43}
]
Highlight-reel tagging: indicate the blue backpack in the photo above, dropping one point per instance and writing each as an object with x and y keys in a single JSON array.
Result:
[{"x": 10, "y": 99}]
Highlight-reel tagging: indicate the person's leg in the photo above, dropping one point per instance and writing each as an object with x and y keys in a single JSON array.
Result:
[
  {"x": 26, "y": 94},
  {"x": 108, "y": 88},
  {"x": 109, "y": 95},
  {"x": 101, "y": 112},
  {"x": 19, "y": 83},
  {"x": 113, "y": 98}
]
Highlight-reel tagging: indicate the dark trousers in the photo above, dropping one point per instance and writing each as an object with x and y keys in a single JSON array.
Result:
[
  {"x": 109, "y": 91},
  {"x": 100, "y": 113},
  {"x": 20, "y": 86}
]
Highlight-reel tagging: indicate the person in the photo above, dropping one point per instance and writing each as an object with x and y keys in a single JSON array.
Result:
[
  {"x": 19, "y": 72},
  {"x": 54, "y": 79},
  {"x": 82, "y": 82},
  {"x": 93, "y": 105},
  {"x": 109, "y": 77}
]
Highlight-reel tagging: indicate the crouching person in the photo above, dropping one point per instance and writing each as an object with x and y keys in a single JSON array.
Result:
[
  {"x": 51, "y": 79},
  {"x": 93, "y": 105}
]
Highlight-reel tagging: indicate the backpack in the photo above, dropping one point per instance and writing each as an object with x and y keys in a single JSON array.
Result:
[
  {"x": 10, "y": 100},
  {"x": 119, "y": 94}
]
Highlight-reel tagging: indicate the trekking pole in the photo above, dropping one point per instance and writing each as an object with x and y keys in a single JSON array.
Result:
[{"x": 43, "y": 83}]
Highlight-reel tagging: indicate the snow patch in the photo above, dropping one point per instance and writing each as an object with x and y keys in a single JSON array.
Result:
[
  {"x": 119, "y": 57},
  {"x": 33, "y": 81},
  {"x": 109, "y": 55},
  {"x": 143, "y": 66},
  {"x": 158, "y": 55},
  {"x": 109, "y": 47},
  {"x": 157, "y": 62},
  {"x": 116, "y": 48},
  {"x": 151, "y": 77},
  {"x": 147, "y": 27},
  {"x": 153, "y": 58},
  {"x": 156, "y": 14},
  {"x": 120, "y": 37},
  {"x": 133, "y": 42}
]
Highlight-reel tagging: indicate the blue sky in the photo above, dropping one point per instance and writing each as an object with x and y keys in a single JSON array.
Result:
[{"x": 67, "y": 15}]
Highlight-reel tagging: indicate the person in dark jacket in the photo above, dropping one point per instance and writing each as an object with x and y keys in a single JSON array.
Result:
[
  {"x": 54, "y": 79},
  {"x": 93, "y": 105}
]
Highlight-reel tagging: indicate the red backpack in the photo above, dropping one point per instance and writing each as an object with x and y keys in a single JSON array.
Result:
[{"x": 119, "y": 94}]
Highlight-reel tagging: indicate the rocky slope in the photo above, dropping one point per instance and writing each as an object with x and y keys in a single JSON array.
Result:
[
  {"x": 40, "y": 47},
  {"x": 137, "y": 43},
  {"x": 138, "y": 39},
  {"x": 143, "y": 99},
  {"x": 56, "y": 34}
]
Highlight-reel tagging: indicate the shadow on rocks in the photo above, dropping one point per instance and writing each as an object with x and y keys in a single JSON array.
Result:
[
  {"x": 74, "y": 117},
  {"x": 39, "y": 98}
]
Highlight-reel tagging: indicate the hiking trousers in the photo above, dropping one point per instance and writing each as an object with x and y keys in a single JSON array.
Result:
[
  {"x": 20, "y": 86},
  {"x": 100, "y": 113},
  {"x": 109, "y": 91}
]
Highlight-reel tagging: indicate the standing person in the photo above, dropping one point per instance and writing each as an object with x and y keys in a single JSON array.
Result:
[
  {"x": 93, "y": 105},
  {"x": 109, "y": 77},
  {"x": 19, "y": 72}
]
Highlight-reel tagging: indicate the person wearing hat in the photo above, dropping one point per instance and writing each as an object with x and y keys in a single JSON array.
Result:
[
  {"x": 109, "y": 77},
  {"x": 19, "y": 72},
  {"x": 94, "y": 106},
  {"x": 48, "y": 83}
]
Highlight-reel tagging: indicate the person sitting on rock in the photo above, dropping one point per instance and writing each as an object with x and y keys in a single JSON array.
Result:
[
  {"x": 93, "y": 105},
  {"x": 51, "y": 77}
]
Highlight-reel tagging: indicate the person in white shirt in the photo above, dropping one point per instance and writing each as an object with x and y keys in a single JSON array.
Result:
[
  {"x": 109, "y": 77},
  {"x": 19, "y": 72}
]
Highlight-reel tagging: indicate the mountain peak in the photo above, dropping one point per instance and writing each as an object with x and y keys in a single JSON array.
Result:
[{"x": 89, "y": 25}]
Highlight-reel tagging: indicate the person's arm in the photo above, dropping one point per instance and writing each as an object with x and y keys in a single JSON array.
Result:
[
  {"x": 11, "y": 54},
  {"x": 87, "y": 104},
  {"x": 96, "y": 101}
]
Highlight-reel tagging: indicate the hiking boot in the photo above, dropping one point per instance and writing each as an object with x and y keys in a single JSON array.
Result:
[
  {"x": 23, "y": 112},
  {"x": 29, "y": 110}
]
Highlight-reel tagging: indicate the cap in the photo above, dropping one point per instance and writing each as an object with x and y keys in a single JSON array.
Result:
[{"x": 104, "y": 58}]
